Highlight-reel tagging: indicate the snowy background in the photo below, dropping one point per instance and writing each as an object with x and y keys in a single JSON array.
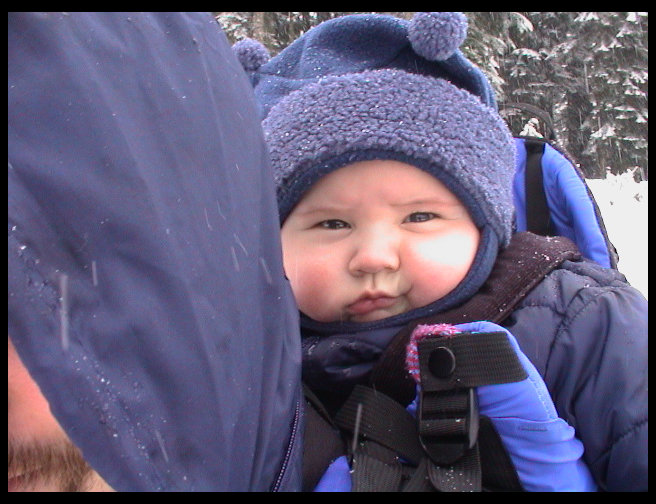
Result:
[{"x": 623, "y": 204}]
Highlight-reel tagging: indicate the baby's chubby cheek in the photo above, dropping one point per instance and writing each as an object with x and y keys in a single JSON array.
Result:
[
  {"x": 437, "y": 268},
  {"x": 315, "y": 288}
]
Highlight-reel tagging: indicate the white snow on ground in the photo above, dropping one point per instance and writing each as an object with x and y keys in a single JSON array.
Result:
[{"x": 623, "y": 204}]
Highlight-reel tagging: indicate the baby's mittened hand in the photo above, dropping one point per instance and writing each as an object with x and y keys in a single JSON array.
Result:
[{"x": 542, "y": 446}]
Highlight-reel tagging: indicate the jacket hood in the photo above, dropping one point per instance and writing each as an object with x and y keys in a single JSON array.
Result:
[{"x": 142, "y": 225}]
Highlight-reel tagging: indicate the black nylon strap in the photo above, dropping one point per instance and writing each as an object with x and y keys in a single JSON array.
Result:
[
  {"x": 479, "y": 359},
  {"x": 381, "y": 419},
  {"x": 419, "y": 480},
  {"x": 322, "y": 442},
  {"x": 463, "y": 476},
  {"x": 495, "y": 460},
  {"x": 447, "y": 433},
  {"x": 538, "y": 216},
  {"x": 376, "y": 469}
]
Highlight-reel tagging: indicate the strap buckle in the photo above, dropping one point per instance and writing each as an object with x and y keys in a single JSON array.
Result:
[
  {"x": 448, "y": 416},
  {"x": 445, "y": 434}
]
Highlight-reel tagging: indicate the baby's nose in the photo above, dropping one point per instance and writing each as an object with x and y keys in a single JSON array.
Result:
[{"x": 374, "y": 252}]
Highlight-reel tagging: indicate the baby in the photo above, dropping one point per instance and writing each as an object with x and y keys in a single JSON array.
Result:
[
  {"x": 394, "y": 174},
  {"x": 376, "y": 239}
]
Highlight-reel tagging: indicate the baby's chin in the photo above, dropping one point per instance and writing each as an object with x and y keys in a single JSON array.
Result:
[{"x": 372, "y": 316}]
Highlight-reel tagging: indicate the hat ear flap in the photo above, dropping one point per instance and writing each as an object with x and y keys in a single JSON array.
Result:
[
  {"x": 251, "y": 54},
  {"x": 437, "y": 35}
]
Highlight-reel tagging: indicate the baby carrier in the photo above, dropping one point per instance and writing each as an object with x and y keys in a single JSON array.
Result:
[
  {"x": 450, "y": 447},
  {"x": 551, "y": 196}
]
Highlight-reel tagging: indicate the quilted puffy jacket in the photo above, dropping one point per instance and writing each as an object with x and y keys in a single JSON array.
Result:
[{"x": 585, "y": 330}]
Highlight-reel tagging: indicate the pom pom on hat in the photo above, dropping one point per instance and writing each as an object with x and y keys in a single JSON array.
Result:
[
  {"x": 251, "y": 54},
  {"x": 437, "y": 35}
]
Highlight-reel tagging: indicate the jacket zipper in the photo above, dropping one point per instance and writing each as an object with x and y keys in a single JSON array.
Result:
[{"x": 290, "y": 448}]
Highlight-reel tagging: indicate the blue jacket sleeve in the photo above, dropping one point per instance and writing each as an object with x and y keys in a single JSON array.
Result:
[
  {"x": 603, "y": 342},
  {"x": 585, "y": 329}
]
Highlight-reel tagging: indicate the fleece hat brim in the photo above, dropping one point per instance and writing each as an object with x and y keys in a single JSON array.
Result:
[{"x": 390, "y": 114}]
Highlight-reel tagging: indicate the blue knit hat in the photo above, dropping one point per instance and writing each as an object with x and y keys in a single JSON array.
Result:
[{"x": 365, "y": 87}]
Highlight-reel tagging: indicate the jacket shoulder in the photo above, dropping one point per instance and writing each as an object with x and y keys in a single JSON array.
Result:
[
  {"x": 585, "y": 329},
  {"x": 547, "y": 310}
]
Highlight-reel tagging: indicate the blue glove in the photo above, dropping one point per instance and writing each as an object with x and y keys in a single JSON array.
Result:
[
  {"x": 542, "y": 446},
  {"x": 337, "y": 477}
]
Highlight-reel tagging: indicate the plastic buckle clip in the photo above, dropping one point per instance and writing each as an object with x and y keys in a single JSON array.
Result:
[
  {"x": 448, "y": 416},
  {"x": 446, "y": 438}
]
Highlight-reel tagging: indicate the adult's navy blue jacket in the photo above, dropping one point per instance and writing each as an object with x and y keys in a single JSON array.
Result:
[{"x": 145, "y": 282}]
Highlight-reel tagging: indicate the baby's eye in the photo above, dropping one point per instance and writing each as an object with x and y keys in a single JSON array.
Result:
[
  {"x": 333, "y": 224},
  {"x": 420, "y": 217}
]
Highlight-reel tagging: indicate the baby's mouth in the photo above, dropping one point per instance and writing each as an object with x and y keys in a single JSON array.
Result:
[{"x": 364, "y": 307}]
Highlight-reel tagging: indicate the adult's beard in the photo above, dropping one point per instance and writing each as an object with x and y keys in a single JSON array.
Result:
[{"x": 56, "y": 466}]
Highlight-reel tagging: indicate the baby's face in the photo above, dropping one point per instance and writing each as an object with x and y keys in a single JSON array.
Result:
[{"x": 375, "y": 239}]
